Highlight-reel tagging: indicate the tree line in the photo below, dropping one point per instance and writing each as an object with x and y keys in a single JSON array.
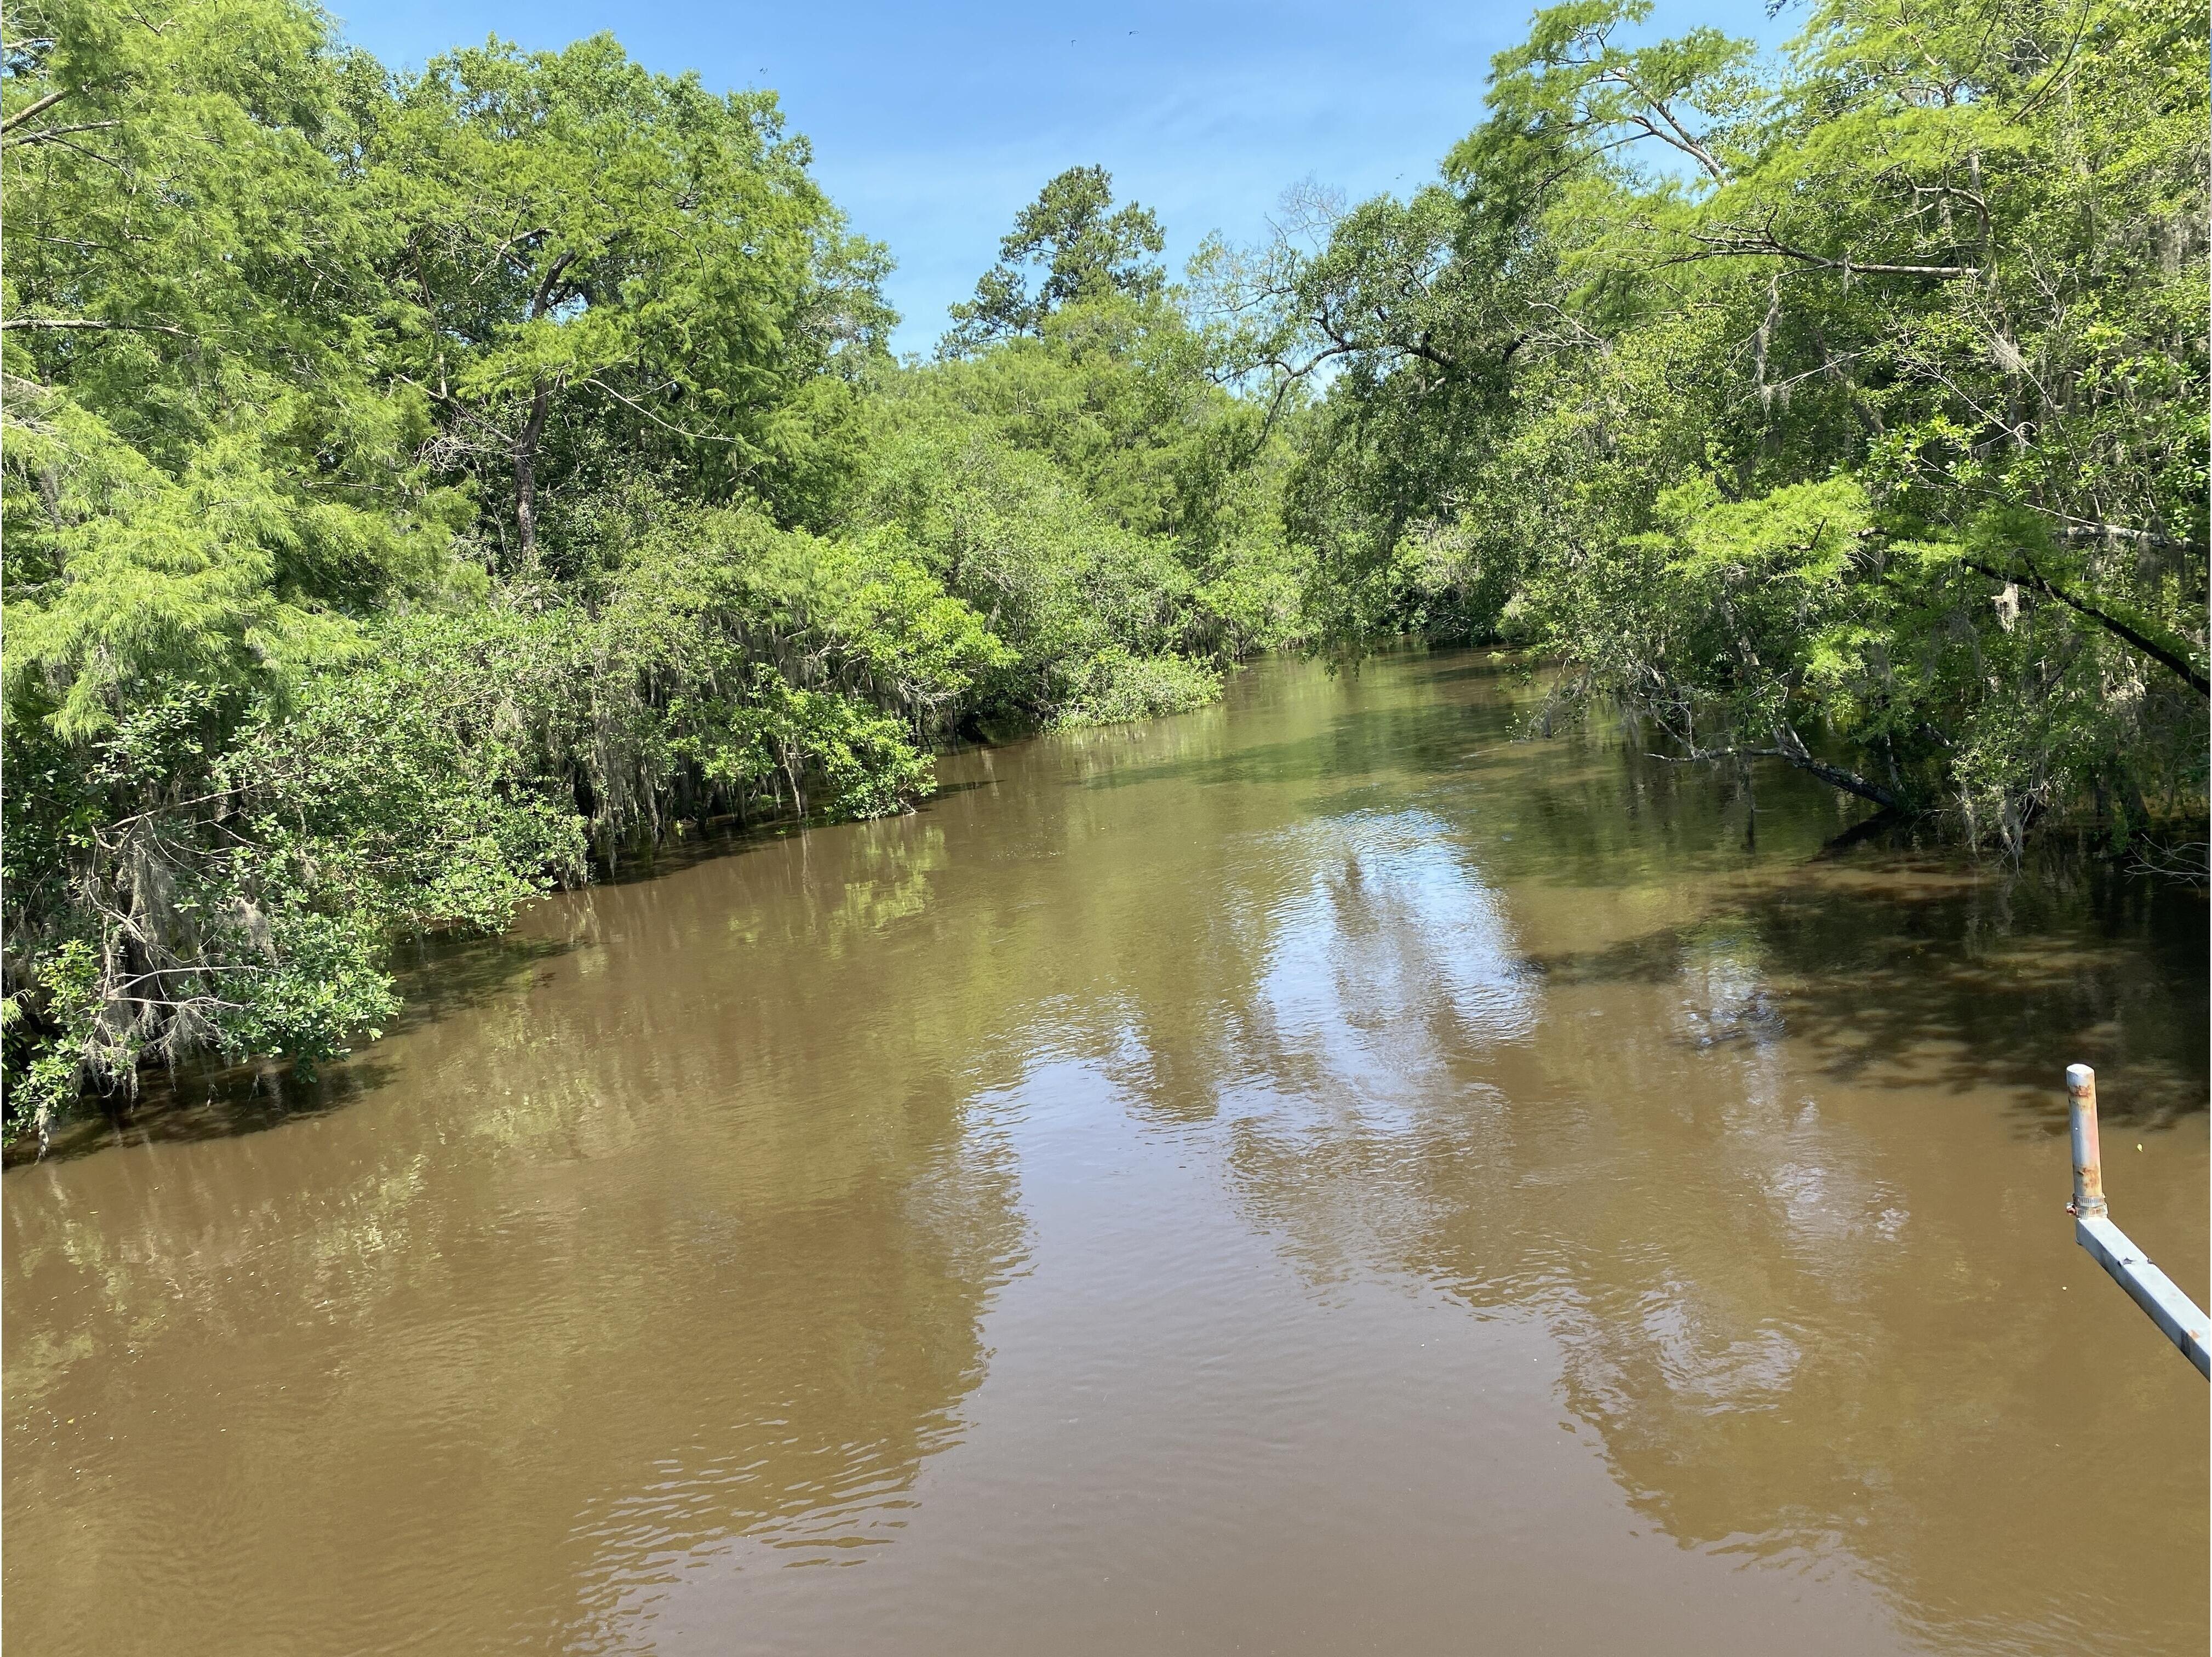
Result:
[
  {"x": 421, "y": 490},
  {"x": 1845, "y": 408}
]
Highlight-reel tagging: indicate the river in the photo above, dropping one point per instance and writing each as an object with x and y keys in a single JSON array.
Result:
[{"x": 1315, "y": 1175}]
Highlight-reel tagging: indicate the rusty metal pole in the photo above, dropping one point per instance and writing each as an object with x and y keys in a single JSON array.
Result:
[
  {"x": 2088, "y": 1163},
  {"x": 2174, "y": 1313}
]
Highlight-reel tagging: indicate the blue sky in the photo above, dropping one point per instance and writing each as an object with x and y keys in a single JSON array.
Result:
[{"x": 932, "y": 125}]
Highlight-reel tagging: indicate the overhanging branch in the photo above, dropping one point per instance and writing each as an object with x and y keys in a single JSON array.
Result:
[{"x": 2164, "y": 656}]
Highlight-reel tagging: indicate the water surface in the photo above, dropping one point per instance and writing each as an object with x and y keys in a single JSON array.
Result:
[{"x": 1312, "y": 1176}]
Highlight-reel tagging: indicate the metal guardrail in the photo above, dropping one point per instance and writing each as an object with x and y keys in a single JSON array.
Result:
[{"x": 2174, "y": 1313}]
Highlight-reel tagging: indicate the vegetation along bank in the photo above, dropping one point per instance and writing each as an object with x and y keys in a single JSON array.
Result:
[{"x": 421, "y": 490}]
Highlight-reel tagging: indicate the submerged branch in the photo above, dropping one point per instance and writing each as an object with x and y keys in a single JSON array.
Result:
[{"x": 1796, "y": 754}]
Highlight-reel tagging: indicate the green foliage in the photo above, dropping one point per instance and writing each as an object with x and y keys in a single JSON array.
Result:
[
  {"x": 1114, "y": 686},
  {"x": 595, "y": 271},
  {"x": 1097, "y": 496},
  {"x": 422, "y": 490},
  {"x": 1086, "y": 252},
  {"x": 236, "y": 870},
  {"x": 228, "y": 875},
  {"x": 1865, "y": 428}
]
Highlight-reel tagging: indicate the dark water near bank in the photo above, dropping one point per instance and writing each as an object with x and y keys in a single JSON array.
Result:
[{"x": 1314, "y": 1176}]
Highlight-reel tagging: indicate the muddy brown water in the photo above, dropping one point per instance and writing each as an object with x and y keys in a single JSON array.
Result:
[{"x": 1312, "y": 1176}]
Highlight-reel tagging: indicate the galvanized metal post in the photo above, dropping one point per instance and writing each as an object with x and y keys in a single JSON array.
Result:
[
  {"x": 2088, "y": 1161},
  {"x": 2174, "y": 1313}
]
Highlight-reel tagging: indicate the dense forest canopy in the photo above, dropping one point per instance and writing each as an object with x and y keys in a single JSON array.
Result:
[
  {"x": 1848, "y": 411},
  {"x": 421, "y": 490}
]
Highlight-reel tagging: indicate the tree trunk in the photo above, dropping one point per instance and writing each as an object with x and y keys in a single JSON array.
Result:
[
  {"x": 526, "y": 473},
  {"x": 541, "y": 405}
]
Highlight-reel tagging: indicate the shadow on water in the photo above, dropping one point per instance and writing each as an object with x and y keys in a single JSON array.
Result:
[
  {"x": 437, "y": 980},
  {"x": 1920, "y": 974},
  {"x": 1397, "y": 742},
  {"x": 731, "y": 839}
]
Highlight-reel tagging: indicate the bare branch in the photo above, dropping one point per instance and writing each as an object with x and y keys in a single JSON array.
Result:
[
  {"x": 1678, "y": 136},
  {"x": 695, "y": 436},
  {"x": 37, "y": 108},
  {"x": 539, "y": 305},
  {"x": 91, "y": 322},
  {"x": 46, "y": 133},
  {"x": 1763, "y": 243}
]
